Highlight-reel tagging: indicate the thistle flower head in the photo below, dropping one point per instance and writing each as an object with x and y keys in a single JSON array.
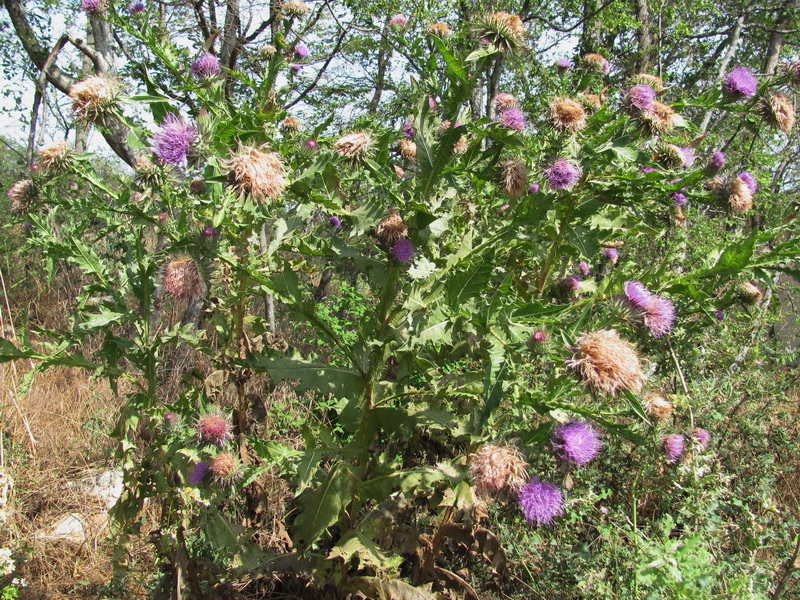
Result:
[
  {"x": 354, "y": 146},
  {"x": 541, "y": 502},
  {"x": 740, "y": 83},
  {"x": 778, "y": 111},
  {"x": 22, "y": 194},
  {"x": 407, "y": 148},
  {"x": 533, "y": 188},
  {"x": 224, "y": 468},
  {"x": 296, "y": 8},
  {"x": 740, "y": 195},
  {"x": 391, "y": 229},
  {"x": 539, "y": 336},
  {"x": 171, "y": 420},
  {"x": 562, "y": 174},
  {"x": 441, "y": 30},
  {"x": 56, "y": 156},
  {"x": 335, "y": 222},
  {"x": 183, "y": 279},
  {"x": 657, "y": 312},
  {"x": 658, "y": 407},
  {"x": 567, "y": 115},
  {"x": 576, "y": 442},
  {"x": 583, "y": 267},
  {"x": 702, "y": 437},
  {"x": 257, "y": 172},
  {"x": 748, "y": 293},
  {"x": 569, "y": 286},
  {"x": 593, "y": 101},
  {"x": 503, "y": 30},
  {"x": 213, "y": 428},
  {"x": 610, "y": 255},
  {"x": 171, "y": 143},
  {"x": 398, "y": 21},
  {"x": 291, "y": 124},
  {"x": 461, "y": 145},
  {"x": 637, "y": 295},
  {"x": 679, "y": 157},
  {"x": 678, "y": 199},
  {"x": 640, "y": 97},
  {"x": 301, "y": 51},
  {"x": 94, "y": 96},
  {"x": 673, "y": 447},
  {"x": 660, "y": 119},
  {"x": 596, "y": 62},
  {"x": 716, "y": 161},
  {"x": 793, "y": 72},
  {"x": 652, "y": 81},
  {"x": 205, "y": 66},
  {"x": 750, "y": 180},
  {"x": 513, "y": 118},
  {"x": 310, "y": 145},
  {"x": 408, "y": 131},
  {"x": 496, "y": 470},
  {"x": 504, "y": 101},
  {"x": 563, "y": 64},
  {"x": 606, "y": 363},
  {"x": 403, "y": 250},
  {"x": 197, "y": 186},
  {"x": 198, "y": 473},
  {"x": 136, "y": 8},
  {"x": 514, "y": 178},
  {"x": 91, "y": 6}
]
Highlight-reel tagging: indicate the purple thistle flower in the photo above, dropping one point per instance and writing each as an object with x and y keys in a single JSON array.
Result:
[
  {"x": 301, "y": 51},
  {"x": 432, "y": 103},
  {"x": 716, "y": 161},
  {"x": 719, "y": 314},
  {"x": 673, "y": 447},
  {"x": 570, "y": 285},
  {"x": 136, "y": 8},
  {"x": 702, "y": 437},
  {"x": 583, "y": 267},
  {"x": 646, "y": 169},
  {"x": 296, "y": 68},
  {"x": 751, "y": 182},
  {"x": 562, "y": 174},
  {"x": 659, "y": 316},
  {"x": 611, "y": 255},
  {"x": 403, "y": 250},
  {"x": 198, "y": 473},
  {"x": 539, "y": 336},
  {"x": 636, "y": 293},
  {"x": 740, "y": 83},
  {"x": 687, "y": 157},
  {"x": 563, "y": 63},
  {"x": 209, "y": 232},
  {"x": 533, "y": 188},
  {"x": 541, "y": 502},
  {"x": 90, "y": 5},
  {"x": 577, "y": 442},
  {"x": 678, "y": 199},
  {"x": 171, "y": 419},
  {"x": 513, "y": 118},
  {"x": 335, "y": 221},
  {"x": 398, "y": 21},
  {"x": 172, "y": 141},
  {"x": 642, "y": 97},
  {"x": 310, "y": 145},
  {"x": 206, "y": 66},
  {"x": 408, "y": 130}
]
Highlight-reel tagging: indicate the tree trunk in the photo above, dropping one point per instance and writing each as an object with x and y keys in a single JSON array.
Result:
[
  {"x": 384, "y": 55},
  {"x": 591, "y": 36},
  {"x": 783, "y": 20},
  {"x": 644, "y": 38}
]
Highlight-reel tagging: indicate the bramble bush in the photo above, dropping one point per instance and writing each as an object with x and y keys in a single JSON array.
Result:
[{"x": 520, "y": 287}]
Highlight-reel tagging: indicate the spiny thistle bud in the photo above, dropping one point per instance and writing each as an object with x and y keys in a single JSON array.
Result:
[
  {"x": 354, "y": 146},
  {"x": 391, "y": 229},
  {"x": 258, "y": 173},
  {"x": 779, "y": 112},
  {"x": 136, "y": 8},
  {"x": 610, "y": 255},
  {"x": 398, "y": 21},
  {"x": 562, "y": 174},
  {"x": 461, "y": 145},
  {"x": 174, "y": 139},
  {"x": 793, "y": 72},
  {"x": 496, "y": 470},
  {"x": 641, "y": 97},
  {"x": 197, "y": 186},
  {"x": 538, "y": 337},
  {"x": 209, "y": 232},
  {"x": 748, "y": 293},
  {"x": 576, "y": 442},
  {"x": 22, "y": 194},
  {"x": 408, "y": 149},
  {"x": 503, "y": 30},
  {"x": 740, "y": 83},
  {"x": 290, "y": 124},
  {"x": 269, "y": 50},
  {"x": 94, "y": 96},
  {"x": 658, "y": 407},
  {"x": 740, "y": 196},
  {"x": 660, "y": 120},
  {"x": 541, "y": 502},
  {"x": 56, "y": 156},
  {"x": 567, "y": 115},
  {"x": 224, "y": 468},
  {"x": 296, "y": 8},
  {"x": 701, "y": 437},
  {"x": 596, "y": 62},
  {"x": 206, "y": 66},
  {"x": 673, "y": 447},
  {"x": 653, "y": 81},
  {"x": 607, "y": 363},
  {"x": 310, "y": 146},
  {"x": 172, "y": 420},
  {"x": 569, "y": 287},
  {"x": 183, "y": 279},
  {"x": 504, "y": 101},
  {"x": 213, "y": 428},
  {"x": 441, "y": 30},
  {"x": 715, "y": 184},
  {"x": 514, "y": 178}
]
